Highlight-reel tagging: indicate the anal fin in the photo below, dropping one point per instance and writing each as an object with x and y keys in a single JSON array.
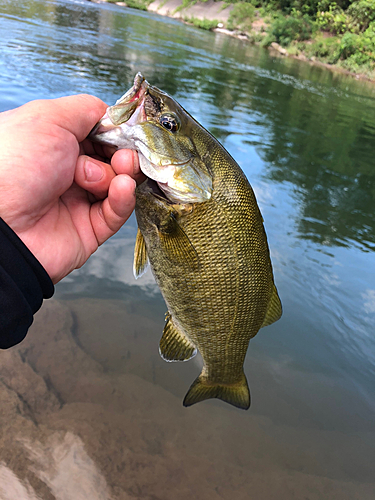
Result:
[{"x": 174, "y": 345}]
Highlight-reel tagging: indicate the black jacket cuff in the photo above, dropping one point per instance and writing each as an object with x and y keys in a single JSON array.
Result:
[{"x": 24, "y": 284}]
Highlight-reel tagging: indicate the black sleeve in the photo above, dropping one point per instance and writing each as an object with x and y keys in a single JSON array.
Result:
[{"x": 24, "y": 284}]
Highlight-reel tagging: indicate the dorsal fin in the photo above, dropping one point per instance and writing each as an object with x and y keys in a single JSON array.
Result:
[
  {"x": 141, "y": 262},
  {"x": 274, "y": 310},
  {"x": 174, "y": 345}
]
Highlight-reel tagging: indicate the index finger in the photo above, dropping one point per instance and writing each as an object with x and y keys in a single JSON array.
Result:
[{"x": 123, "y": 160}]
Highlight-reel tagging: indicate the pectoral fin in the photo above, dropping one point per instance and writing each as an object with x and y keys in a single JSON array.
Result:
[
  {"x": 274, "y": 310},
  {"x": 174, "y": 345},
  {"x": 177, "y": 245},
  {"x": 141, "y": 263}
]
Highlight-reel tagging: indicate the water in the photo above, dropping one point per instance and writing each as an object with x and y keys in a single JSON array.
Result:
[{"x": 89, "y": 409}]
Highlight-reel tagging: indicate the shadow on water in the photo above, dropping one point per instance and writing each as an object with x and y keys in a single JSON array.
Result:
[{"x": 89, "y": 409}]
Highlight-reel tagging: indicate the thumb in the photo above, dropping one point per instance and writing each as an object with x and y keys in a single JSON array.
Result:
[{"x": 77, "y": 113}]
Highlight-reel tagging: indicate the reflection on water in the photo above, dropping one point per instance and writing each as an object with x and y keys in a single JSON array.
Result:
[{"x": 88, "y": 407}]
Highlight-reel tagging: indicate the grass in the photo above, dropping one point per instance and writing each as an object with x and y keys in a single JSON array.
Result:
[
  {"x": 241, "y": 17},
  {"x": 135, "y": 4},
  {"x": 206, "y": 24}
]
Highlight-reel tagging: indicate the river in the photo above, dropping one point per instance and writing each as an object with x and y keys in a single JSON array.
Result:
[{"x": 89, "y": 410}]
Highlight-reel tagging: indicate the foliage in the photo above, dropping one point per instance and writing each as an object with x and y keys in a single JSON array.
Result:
[
  {"x": 338, "y": 32},
  {"x": 326, "y": 49},
  {"x": 286, "y": 29},
  {"x": 135, "y": 4},
  {"x": 254, "y": 3},
  {"x": 350, "y": 44},
  {"x": 353, "y": 51},
  {"x": 185, "y": 4},
  {"x": 362, "y": 13},
  {"x": 310, "y": 7},
  {"x": 331, "y": 17},
  {"x": 351, "y": 22},
  {"x": 333, "y": 20},
  {"x": 358, "y": 49},
  {"x": 241, "y": 16},
  {"x": 206, "y": 24},
  {"x": 138, "y": 4}
]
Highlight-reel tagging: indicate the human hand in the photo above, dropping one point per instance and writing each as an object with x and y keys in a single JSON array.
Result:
[{"x": 58, "y": 195}]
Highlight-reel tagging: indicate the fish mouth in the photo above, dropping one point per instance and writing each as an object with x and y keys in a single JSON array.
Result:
[
  {"x": 125, "y": 107},
  {"x": 108, "y": 128},
  {"x": 121, "y": 125},
  {"x": 132, "y": 123},
  {"x": 133, "y": 93}
]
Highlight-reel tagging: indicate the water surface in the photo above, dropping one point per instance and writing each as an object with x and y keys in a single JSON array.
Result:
[{"x": 90, "y": 410}]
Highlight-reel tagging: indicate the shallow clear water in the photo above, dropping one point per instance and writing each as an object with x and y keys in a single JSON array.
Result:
[{"x": 89, "y": 409}]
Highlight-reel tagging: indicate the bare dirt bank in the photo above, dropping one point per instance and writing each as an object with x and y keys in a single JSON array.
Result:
[{"x": 201, "y": 10}]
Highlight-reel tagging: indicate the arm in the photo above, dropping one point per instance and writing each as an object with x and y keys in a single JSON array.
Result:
[{"x": 61, "y": 196}]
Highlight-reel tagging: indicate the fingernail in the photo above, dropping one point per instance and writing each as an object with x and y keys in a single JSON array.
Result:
[
  {"x": 135, "y": 185},
  {"x": 93, "y": 171},
  {"x": 130, "y": 180}
]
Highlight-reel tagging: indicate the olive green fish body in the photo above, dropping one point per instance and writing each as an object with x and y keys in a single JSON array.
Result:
[
  {"x": 203, "y": 235},
  {"x": 219, "y": 297}
]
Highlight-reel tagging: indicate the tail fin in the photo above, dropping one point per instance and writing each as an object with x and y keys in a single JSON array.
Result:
[{"x": 237, "y": 394}]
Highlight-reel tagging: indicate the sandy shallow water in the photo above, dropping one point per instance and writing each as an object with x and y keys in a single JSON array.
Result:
[{"x": 89, "y": 415}]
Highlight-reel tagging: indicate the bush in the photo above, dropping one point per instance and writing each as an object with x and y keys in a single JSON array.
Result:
[
  {"x": 349, "y": 45},
  {"x": 241, "y": 16},
  {"x": 360, "y": 49},
  {"x": 327, "y": 49},
  {"x": 310, "y": 7},
  {"x": 333, "y": 20},
  {"x": 362, "y": 13},
  {"x": 286, "y": 29},
  {"x": 205, "y": 24},
  {"x": 135, "y": 4}
]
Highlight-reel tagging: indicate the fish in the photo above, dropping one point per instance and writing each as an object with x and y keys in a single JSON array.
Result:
[{"x": 201, "y": 231}]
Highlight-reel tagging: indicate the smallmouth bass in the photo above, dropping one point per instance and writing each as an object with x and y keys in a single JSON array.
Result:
[{"x": 200, "y": 228}]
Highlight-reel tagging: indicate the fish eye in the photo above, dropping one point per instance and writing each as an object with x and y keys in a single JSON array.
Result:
[{"x": 169, "y": 122}]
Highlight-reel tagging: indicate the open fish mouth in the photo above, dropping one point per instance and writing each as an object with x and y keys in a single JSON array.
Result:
[
  {"x": 121, "y": 112},
  {"x": 134, "y": 92},
  {"x": 135, "y": 122}
]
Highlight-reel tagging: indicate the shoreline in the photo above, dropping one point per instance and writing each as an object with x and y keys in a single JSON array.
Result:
[{"x": 219, "y": 11}]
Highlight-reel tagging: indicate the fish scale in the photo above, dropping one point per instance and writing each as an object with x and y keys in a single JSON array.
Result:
[
  {"x": 203, "y": 234},
  {"x": 233, "y": 285}
]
